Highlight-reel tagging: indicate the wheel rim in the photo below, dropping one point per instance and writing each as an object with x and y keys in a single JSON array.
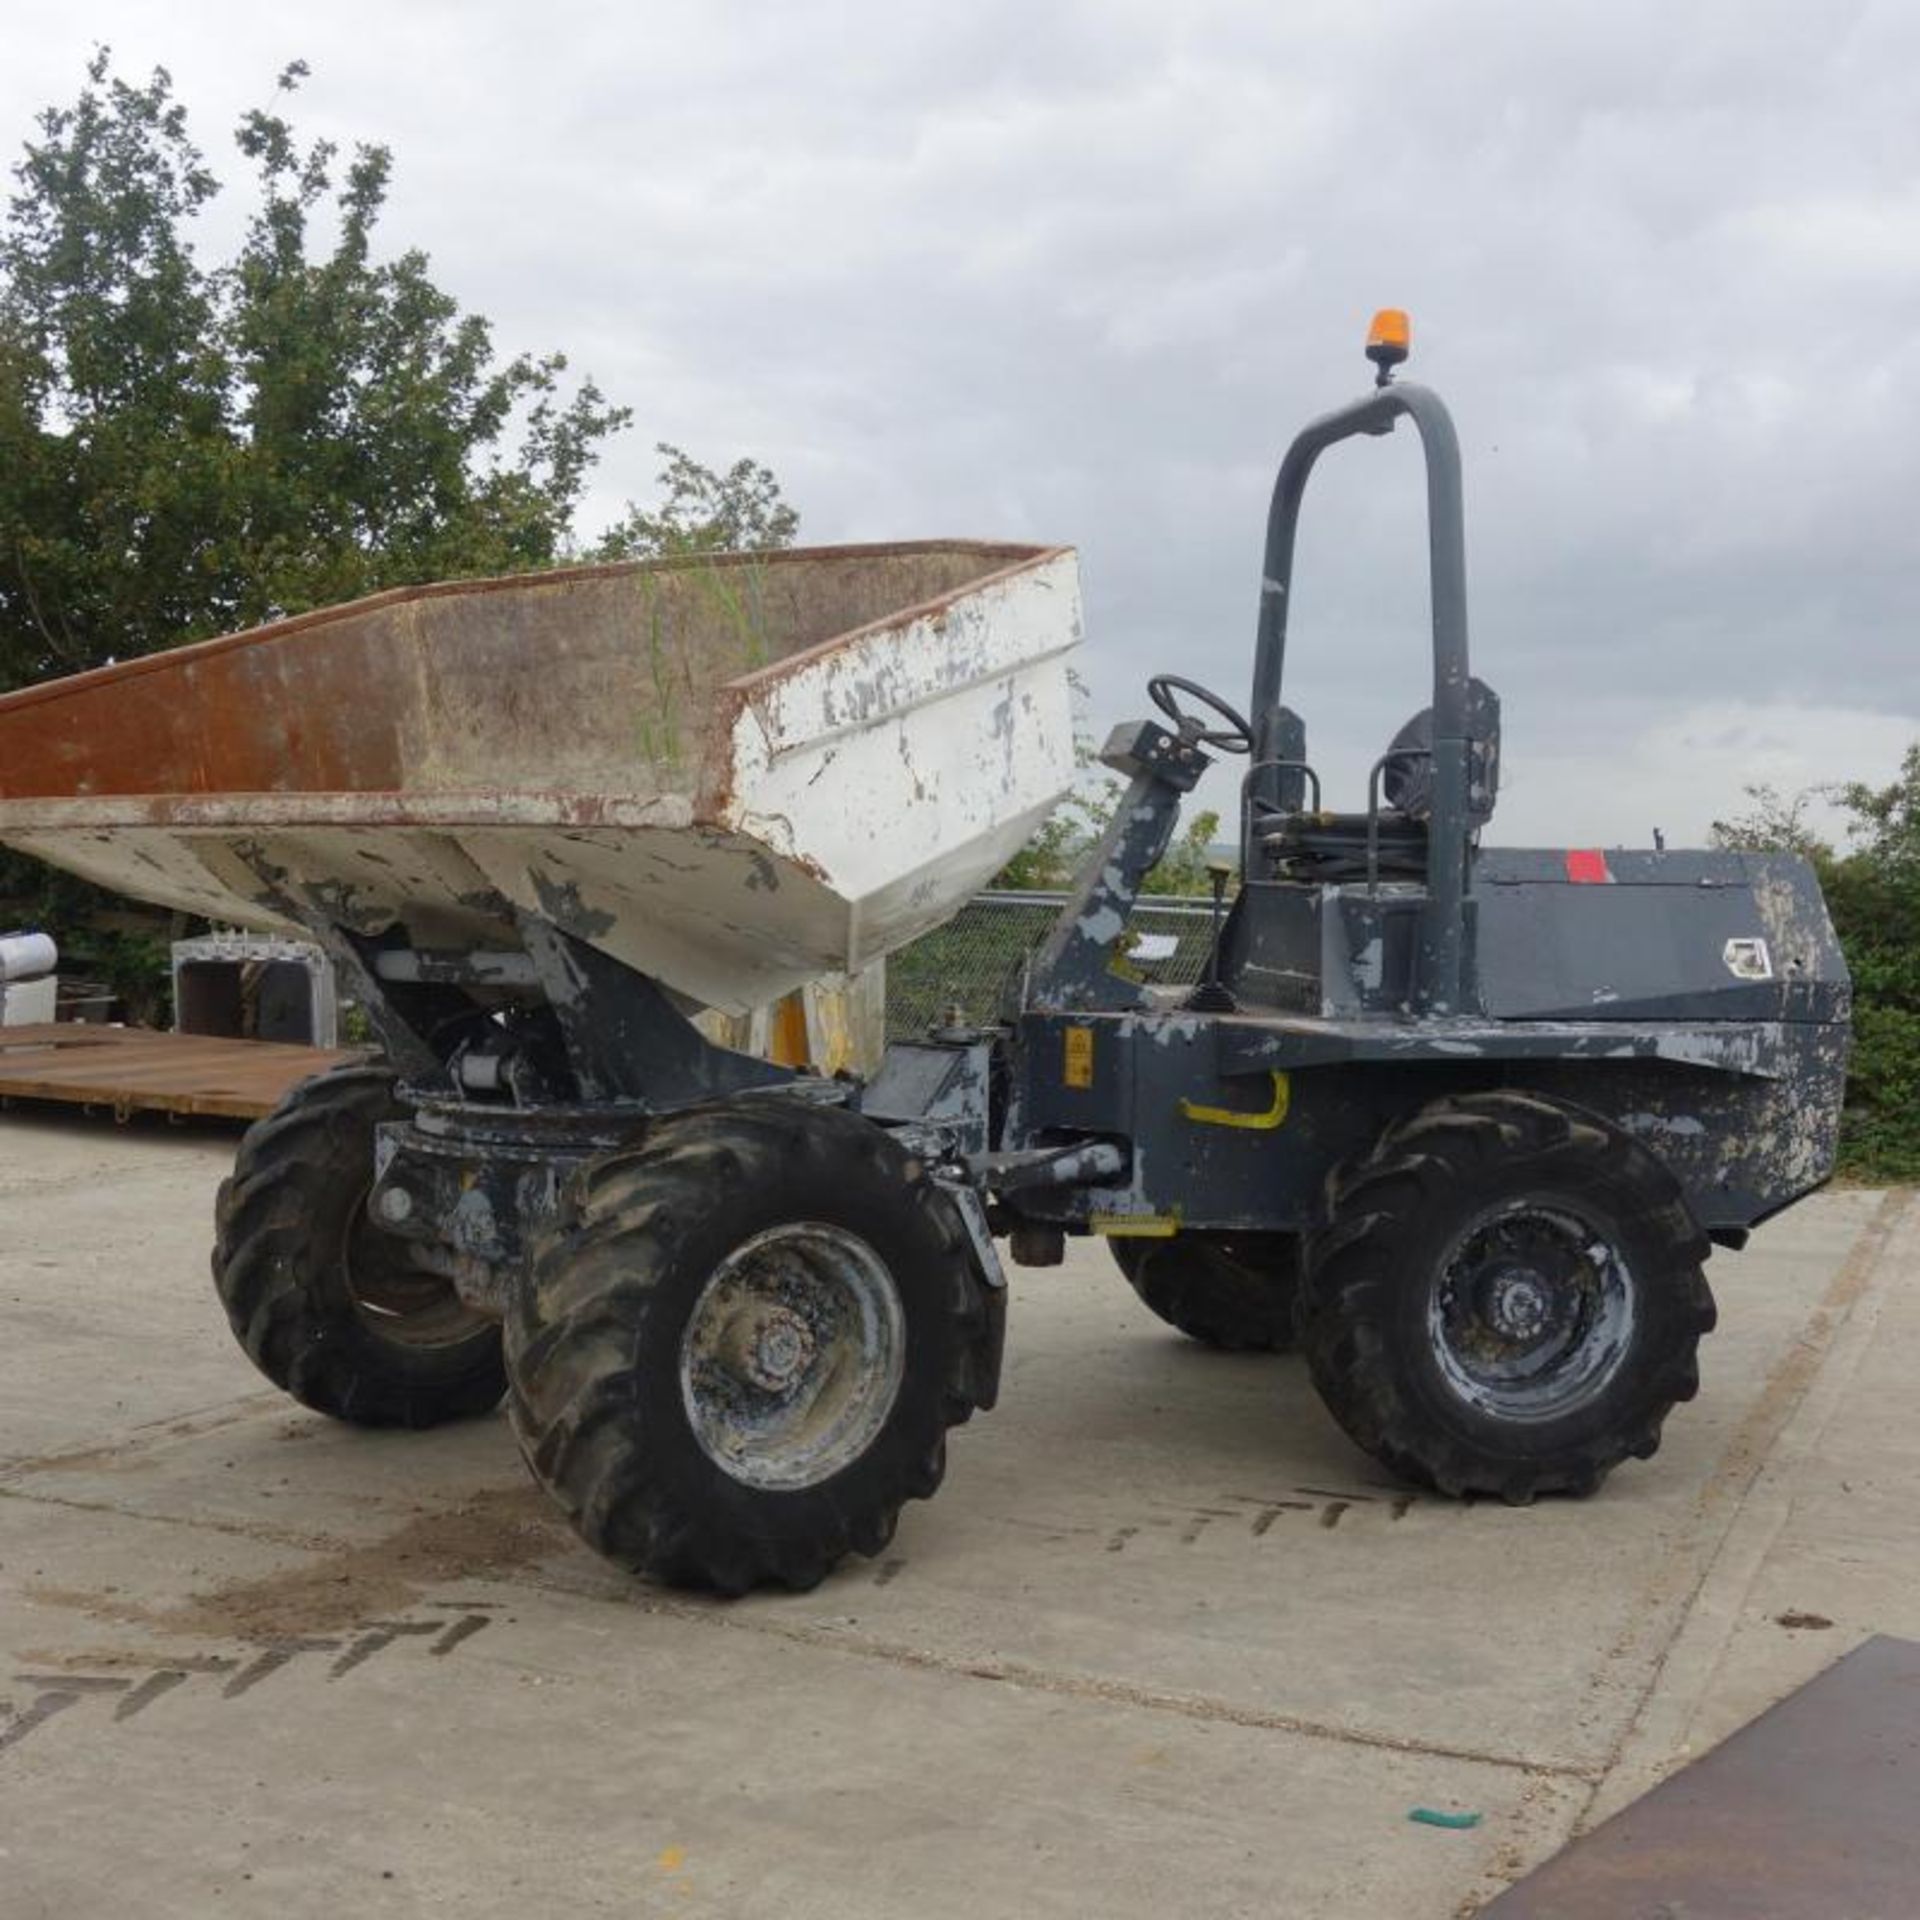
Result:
[
  {"x": 793, "y": 1356},
  {"x": 400, "y": 1291},
  {"x": 1532, "y": 1312}
]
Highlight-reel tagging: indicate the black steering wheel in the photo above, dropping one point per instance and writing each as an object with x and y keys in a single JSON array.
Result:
[{"x": 1163, "y": 688}]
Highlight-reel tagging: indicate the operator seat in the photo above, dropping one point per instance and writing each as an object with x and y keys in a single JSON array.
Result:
[{"x": 1327, "y": 849}]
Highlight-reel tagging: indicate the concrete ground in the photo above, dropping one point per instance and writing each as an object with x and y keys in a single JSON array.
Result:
[{"x": 1164, "y": 1644}]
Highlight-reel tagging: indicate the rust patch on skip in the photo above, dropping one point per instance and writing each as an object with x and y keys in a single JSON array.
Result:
[{"x": 399, "y": 692}]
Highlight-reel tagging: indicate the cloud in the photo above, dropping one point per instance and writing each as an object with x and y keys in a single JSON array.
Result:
[{"x": 1078, "y": 272}]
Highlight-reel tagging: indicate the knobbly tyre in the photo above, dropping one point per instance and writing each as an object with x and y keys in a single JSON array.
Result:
[{"x": 1462, "y": 1122}]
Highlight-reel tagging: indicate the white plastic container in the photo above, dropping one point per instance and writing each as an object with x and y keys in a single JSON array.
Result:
[
  {"x": 29, "y": 989},
  {"x": 27, "y": 956}
]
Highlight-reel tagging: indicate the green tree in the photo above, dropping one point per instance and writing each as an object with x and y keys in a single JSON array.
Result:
[
  {"x": 1874, "y": 894},
  {"x": 186, "y": 449},
  {"x": 1886, "y": 820},
  {"x": 1772, "y": 823},
  {"x": 1183, "y": 867},
  {"x": 701, "y": 511}
]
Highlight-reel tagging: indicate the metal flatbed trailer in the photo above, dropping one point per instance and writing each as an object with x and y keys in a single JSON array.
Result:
[{"x": 135, "y": 1070}]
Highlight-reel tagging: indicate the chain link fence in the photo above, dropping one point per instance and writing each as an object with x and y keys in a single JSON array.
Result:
[{"x": 971, "y": 961}]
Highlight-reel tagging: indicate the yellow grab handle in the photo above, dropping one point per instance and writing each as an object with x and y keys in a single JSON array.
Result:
[{"x": 1233, "y": 1117}]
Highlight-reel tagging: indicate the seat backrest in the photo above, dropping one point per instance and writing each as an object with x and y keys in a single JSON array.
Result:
[{"x": 1406, "y": 781}]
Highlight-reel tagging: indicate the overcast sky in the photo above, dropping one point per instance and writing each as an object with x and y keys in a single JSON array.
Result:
[{"x": 1078, "y": 272}]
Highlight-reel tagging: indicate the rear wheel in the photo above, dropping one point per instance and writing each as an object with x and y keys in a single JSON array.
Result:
[
  {"x": 1508, "y": 1300},
  {"x": 743, "y": 1343},
  {"x": 1235, "y": 1291},
  {"x": 351, "y": 1321}
]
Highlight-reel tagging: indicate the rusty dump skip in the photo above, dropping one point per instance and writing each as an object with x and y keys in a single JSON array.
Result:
[{"x": 731, "y": 771}]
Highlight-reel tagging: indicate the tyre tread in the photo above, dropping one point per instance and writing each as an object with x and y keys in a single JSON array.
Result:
[
  {"x": 575, "y": 1327},
  {"x": 1347, "y": 1302},
  {"x": 292, "y": 1168}
]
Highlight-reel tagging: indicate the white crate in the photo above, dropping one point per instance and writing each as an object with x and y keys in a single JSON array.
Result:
[{"x": 29, "y": 1003}]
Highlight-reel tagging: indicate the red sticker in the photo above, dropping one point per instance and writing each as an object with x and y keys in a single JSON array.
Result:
[{"x": 1587, "y": 867}]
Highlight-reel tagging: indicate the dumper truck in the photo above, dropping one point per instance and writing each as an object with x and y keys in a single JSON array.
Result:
[{"x": 1460, "y": 1122}]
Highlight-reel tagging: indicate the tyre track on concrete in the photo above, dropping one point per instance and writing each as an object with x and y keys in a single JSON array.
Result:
[
  {"x": 726, "y": 1617},
  {"x": 134, "y": 1443}
]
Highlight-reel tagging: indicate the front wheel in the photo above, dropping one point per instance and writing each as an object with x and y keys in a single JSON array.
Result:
[
  {"x": 1508, "y": 1300},
  {"x": 353, "y": 1322},
  {"x": 743, "y": 1342}
]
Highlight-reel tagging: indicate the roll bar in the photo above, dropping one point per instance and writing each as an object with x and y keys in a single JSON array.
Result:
[{"x": 1439, "y": 983}]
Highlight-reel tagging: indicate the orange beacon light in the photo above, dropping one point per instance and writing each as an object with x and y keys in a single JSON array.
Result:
[{"x": 1389, "y": 340}]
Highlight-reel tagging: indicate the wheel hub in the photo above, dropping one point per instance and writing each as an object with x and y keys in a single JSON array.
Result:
[
  {"x": 780, "y": 1351},
  {"x": 793, "y": 1356},
  {"x": 1532, "y": 1311},
  {"x": 1518, "y": 1303}
]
